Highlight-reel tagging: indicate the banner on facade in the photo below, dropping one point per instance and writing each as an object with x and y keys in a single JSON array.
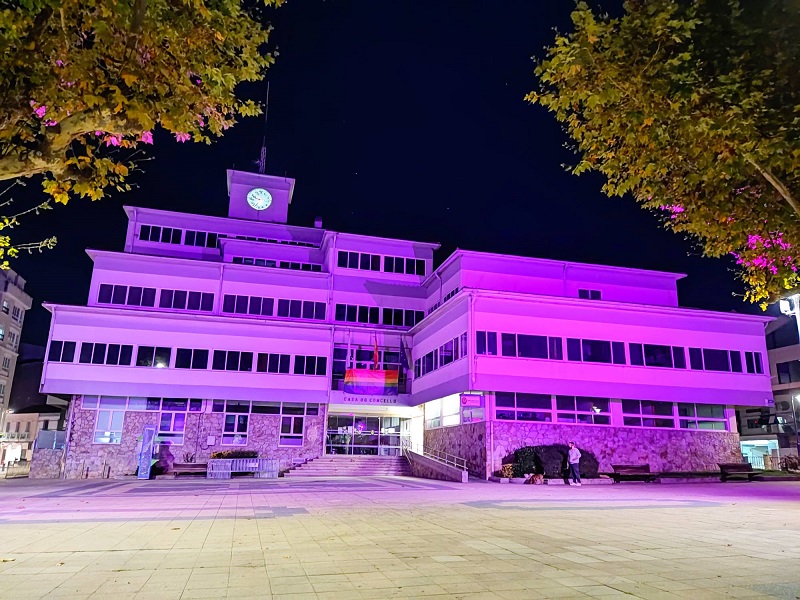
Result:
[
  {"x": 370, "y": 382},
  {"x": 146, "y": 453}
]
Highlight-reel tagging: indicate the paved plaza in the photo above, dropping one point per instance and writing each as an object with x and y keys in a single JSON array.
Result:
[{"x": 397, "y": 538}]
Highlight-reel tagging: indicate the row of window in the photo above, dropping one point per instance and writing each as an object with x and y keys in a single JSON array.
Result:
[
  {"x": 397, "y": 317},
  {"x": 256, "y": 305},
  {"x": 603, "y": 351},
  {"x": 448, "y": 352},
  {"x": 146, "y": 296},
  {"x": 173, "y": 414},
  {"x": 375, "y": 262},
  {"x": 203, "y": 239},
  {"x": 446, "y": 297},
  {"x": 510, "y": 406},
  {"x": 186, "y": 358},
  {"x": 13, "y": 336},
  {"x": 277, "y": 264}
]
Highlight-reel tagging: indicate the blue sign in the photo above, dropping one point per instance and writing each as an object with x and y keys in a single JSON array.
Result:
[{"x": 146, "y": 453}]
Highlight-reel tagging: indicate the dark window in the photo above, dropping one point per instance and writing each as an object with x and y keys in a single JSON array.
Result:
[
  {"x": 193, "y": 301},
  {"x": 533, "y": 401},
  {"x": 228, "y": 303},
  {"x": 283, "y": 307},
  {"x": 319, "y": 310},
  {"x": 555, "y": 348},
  {"x": 657, "y": 356},
  {"x": 532, "y": 346},
  {"x": 342, "y": 259},
  {"x": 637, "y": 354},
  {"x": 480, "y": 342},
  {"x": 183, "y": 358},
  {"x": 68, "y": 352},
  {"x": 584, "y": 294},
  {"x": 696, "y": 358},
  {"x": 341, "y": 312},
  {"x": 241, "y": 305},
  {"x": 179, "y": 299},
  {"x": 757, "y": 361},
  {"x": 295, "y": 308},
  {"x": 99, "y": 354},
  {"x": 255, "y": 305},
  {"x": 420, "y": 266},
  {"x": 166, "y": 299},
  {"x": 299, "y": 365},
  {"x": 716, "y": 360},
  {"x": 596, "y": 351},
  {"x": 375, "y": 263},
  {"x": 144, "y": 232},
  {"x": 736, "y": 361},
  {"x": 618, "y": 353},
  {"x": 491, "y": 343},
  {"x": 573, "y": 349},
  {"x": 104, "y": 295},
  {"x": 144, "y": 356},
  {"x": 788, "y": 372},
  {"x": 135, "y": 296},
  {"x": 112, "y": 358},
  {"x": 218, "y": 362},
  {"x": 120, "y": 294},
  {"x": 207, "y": 302},
  {"x": 678, "y": 357},
  {"x": 86, "y": 353},
  {"x": 508, "y": 344}
]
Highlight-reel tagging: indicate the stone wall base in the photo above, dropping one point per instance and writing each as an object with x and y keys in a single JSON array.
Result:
[
  {"x": 46, "y": 463},
  {"x": 485, "y": 446}
]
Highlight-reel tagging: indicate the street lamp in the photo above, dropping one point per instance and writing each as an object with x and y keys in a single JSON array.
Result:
[
  {"x": 791, "y": 307},
  {"x": 796, "y": 433}
]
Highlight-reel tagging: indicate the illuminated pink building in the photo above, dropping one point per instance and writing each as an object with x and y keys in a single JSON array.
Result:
[{"x": 237, "y": 332}]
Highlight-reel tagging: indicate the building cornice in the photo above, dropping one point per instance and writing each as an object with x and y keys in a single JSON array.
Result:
[{"x": 581, "y": 304}]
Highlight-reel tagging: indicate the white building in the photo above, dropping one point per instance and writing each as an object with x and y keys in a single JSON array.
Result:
[{"x": 249, "y": 332}]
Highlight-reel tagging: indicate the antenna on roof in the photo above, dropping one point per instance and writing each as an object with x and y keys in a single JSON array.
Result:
[{"x": 262, "y": 161}]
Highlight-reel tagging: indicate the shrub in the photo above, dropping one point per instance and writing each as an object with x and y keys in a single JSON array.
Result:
[
  {"x": 234, "y": 454},
  {"x": 790, "y": 463},
  {"x": 526, "y": 461},
  {"x": 551, "y": 461},
  {"x": 507, "y": 471}
]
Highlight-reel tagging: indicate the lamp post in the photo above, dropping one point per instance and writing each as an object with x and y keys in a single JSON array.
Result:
[
  {"x": 796, "y": 433},
  {"x": 791, "y": 306}
]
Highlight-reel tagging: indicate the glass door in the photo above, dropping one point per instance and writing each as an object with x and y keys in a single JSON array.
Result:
[{"x": 365, "y": 435}]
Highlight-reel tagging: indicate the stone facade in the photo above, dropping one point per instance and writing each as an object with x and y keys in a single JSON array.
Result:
[
  {"x": 662, "y": 449},
  {"x": 427, "y": 468},
  {"x": 200, "y": 429},
  {"x": 464, "y": 441},
  {"x": 46, "y": 463}
]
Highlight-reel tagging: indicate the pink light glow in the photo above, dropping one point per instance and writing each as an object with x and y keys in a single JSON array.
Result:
[
  {"x": 183, "y": 137},
  {"x": 146, "y": 137}
]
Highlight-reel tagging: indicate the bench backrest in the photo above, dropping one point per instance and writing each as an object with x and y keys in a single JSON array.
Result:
[
  {"x": 631, "y": 468},
  {"x": 735, "y": 467}
]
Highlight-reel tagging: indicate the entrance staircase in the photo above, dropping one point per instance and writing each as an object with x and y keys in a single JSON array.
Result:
[{"x": 346, "y": 465}]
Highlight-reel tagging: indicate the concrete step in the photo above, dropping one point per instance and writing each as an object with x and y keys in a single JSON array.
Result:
[{"x": 343, "y": 465}]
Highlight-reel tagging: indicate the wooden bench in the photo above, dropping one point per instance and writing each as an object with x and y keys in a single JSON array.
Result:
[
  {"x": 261, "y": 468},
  {"x": 736, "y": 470},
  {"x": 189, "y": 469},
  {"x": 632, "y": 473}
]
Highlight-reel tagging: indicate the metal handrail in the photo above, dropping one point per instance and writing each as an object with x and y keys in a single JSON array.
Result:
[{"x": 437, "y": 455}]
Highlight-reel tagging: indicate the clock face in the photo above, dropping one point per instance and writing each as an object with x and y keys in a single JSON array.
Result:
[{"x": 259, "y": 198}]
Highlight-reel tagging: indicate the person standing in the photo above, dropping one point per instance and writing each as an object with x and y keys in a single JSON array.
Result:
[{"x": 574, "y": 458}]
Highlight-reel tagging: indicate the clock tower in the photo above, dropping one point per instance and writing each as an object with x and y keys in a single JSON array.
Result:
[{"x": 258, "y": 197}]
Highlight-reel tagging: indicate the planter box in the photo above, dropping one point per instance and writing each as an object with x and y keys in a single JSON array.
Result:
[{"x": 496, "y": 479}]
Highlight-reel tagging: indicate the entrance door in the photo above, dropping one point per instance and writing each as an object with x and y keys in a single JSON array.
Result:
[{"x": 365, "y": 435}]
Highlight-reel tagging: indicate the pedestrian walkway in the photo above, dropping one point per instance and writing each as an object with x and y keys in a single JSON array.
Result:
[{"x": 396, "y": 537}]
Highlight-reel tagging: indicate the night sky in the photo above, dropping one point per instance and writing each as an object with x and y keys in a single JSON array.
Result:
[{"x": 397, "y": 119}]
